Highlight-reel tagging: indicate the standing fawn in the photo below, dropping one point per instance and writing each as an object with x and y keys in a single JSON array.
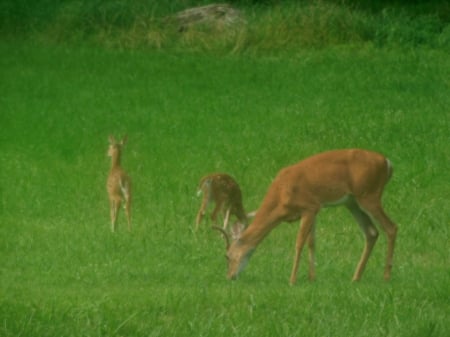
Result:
[
  {"x": 224, "y": 191},
  {"x": 353, "y": 178},
  {"x": 118, "y": 183}
]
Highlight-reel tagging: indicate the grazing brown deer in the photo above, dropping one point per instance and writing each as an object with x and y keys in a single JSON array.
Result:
[
  {"x": 353, "y": 178},
  {"x": 118, "y": 183},
  {"x": 224, "y": 191}
]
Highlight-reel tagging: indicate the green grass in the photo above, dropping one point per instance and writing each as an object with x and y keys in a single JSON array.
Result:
[{"x": 63, "y": 273}]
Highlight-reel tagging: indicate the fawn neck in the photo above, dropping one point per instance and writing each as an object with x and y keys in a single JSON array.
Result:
[{"x": 115, "y": 159}]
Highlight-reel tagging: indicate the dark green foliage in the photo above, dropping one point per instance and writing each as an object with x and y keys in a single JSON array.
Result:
[{"x": 271, "y": 26}]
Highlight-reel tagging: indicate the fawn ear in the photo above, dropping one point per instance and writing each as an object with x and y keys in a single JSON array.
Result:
[
  {"x": 124, "y": 140},
  {"x": 112, "y": 140}
]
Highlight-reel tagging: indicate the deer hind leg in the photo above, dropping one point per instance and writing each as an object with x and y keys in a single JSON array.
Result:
[
  {"x": 389, "y": 227},
  {"x": 306, "y": 225},
  {"x": 114, "y": 210},
  {"x": 128, "y": 210},
  {"x": 127, "y": 196},
  {"x": 370, "y": 233}
]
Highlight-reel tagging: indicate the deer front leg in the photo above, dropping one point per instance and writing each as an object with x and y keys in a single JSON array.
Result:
[
  {"x": 201, "y": 211},
  {"x": 128, "y": 211},
  {"x": 306, "y": 224},
  {"x": 311, "y": 247},
  {"x": 199, "y": 218},
  {"x": 227, "y": 218}
]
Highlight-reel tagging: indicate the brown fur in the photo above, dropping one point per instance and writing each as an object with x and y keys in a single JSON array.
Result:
[
  {"x": 118, "y": 184},
  {"x": 353, "y": 178},
  {"x": 225, "y": 192}
]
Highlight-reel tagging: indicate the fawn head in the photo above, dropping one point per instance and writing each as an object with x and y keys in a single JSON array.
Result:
[{"x": 116, "y": 146}]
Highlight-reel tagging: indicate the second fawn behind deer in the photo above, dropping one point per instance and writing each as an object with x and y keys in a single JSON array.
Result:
[{"x": 225, "y": 192}]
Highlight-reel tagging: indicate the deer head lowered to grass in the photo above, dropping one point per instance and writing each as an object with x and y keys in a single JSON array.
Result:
[
  {"x": 354, "y": 178},
  {"x": 119, "y": 183}
]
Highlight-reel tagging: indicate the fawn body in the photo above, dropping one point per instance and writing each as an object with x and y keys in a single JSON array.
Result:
[
  {"x": 118, "y": 183},
  {"x": 225, "y": 192}
]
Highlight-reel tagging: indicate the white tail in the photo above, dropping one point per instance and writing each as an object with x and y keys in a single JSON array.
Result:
[
  {"x": 353, "y": 178},
  {"x": 118, "y": 183},
  {"x": 224, "y": 191}
]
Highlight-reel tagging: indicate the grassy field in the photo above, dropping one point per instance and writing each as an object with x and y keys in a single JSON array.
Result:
[{"x": 63, "y": 273}]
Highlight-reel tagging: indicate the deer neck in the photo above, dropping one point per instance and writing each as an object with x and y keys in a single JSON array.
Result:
[
  {"x": 255, "y": 233},
  {"x": 115, "y": 160}
]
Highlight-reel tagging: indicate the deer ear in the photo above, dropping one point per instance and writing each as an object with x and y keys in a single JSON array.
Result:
[
  {"x": 111, "y": 139},
  {"x": 124, "y": 140}
]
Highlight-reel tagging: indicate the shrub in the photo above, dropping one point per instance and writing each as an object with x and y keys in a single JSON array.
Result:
[{"x": 271, "y": 26}]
